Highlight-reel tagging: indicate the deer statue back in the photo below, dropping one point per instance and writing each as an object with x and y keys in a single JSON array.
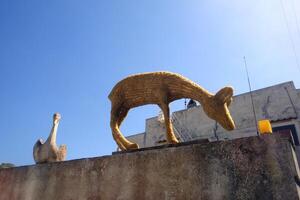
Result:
[{"x": 162, "y": 88}]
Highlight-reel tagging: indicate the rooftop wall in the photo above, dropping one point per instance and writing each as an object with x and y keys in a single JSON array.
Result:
[
  {"x": 279, "y": 103},
  {"x": 248, "y": 168}
]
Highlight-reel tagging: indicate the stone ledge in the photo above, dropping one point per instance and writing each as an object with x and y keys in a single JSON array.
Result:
[
  {"x": 201, "y": 141},
  {"x": 248, "y": 168}
]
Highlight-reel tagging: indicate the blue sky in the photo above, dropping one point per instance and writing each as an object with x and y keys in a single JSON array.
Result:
[{"x": 66, "y": 55}]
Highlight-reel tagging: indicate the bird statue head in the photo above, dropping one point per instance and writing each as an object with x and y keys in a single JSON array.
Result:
[{"x": 56, "y": 118}]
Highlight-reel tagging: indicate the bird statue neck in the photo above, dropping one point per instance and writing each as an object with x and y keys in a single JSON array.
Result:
[{"x": 52, "y": 137}]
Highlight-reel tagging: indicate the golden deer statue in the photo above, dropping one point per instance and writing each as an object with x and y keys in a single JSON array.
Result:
[{"x": 162, "y": 88}]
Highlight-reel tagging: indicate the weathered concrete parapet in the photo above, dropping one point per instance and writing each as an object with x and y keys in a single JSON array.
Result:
[{"x": 247, "y": 168}]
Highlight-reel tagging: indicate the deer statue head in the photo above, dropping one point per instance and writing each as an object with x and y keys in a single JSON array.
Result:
[{"x": 217, "y": 108}]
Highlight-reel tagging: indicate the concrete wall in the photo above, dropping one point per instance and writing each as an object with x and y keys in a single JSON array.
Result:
[
  {"x": 278, "y": 103},
  {"x": 248, "y": 168}
]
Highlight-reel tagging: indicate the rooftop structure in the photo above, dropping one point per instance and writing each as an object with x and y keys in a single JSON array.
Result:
[{"x": 278, "y": 103}]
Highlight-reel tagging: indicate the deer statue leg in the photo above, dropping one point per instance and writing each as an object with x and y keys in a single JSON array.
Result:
[
  {"x": 117, "y": 116},
  {"x": 114, "y": 133},
  {"x": 171, "y": 138},
  {"x": 122, "y": 114}
]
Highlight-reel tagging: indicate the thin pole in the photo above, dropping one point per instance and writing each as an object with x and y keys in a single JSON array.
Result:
[
  {"x": 290, "y": 34},
  {"x": 296, "y": 17},
  {"x": 249, "y": 84}
]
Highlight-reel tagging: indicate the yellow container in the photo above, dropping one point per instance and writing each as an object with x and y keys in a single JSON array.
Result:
[{"x": 264, "y": 126}]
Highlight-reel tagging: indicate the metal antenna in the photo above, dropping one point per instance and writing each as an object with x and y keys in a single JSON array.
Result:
[
  {"x": 290, "y": 33},
  {"x": 246, "y": 67}
]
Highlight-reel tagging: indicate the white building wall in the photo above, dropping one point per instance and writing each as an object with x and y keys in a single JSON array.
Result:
[{"x": 279, "y": 103}]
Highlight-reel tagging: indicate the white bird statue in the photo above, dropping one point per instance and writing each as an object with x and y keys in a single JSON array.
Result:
[{"x": 45, "y": 152}]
